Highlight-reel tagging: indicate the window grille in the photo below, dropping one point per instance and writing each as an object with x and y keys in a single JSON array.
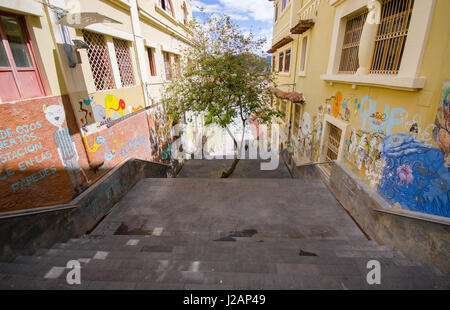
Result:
[
  {"x": 350, "y": 48},
  {"x": 334, "y": 139},
  {"x": 99, "y": 60},
  {"x": 122, "y": 50},
  {"x": 391, "y": 36}
]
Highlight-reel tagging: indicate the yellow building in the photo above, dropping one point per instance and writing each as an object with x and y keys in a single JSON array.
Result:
[
  {"x": 80, "y": 91},
  {"x": 375, "y": 76}
]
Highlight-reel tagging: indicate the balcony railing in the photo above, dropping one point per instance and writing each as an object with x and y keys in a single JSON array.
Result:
[{"x": 309, "y": 9}]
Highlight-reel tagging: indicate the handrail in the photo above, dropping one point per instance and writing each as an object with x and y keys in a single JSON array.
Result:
[{"x": 416, "y": 215}]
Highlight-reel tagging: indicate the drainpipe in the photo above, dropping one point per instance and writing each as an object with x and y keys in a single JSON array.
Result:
[{"x": 140, "y": 49}]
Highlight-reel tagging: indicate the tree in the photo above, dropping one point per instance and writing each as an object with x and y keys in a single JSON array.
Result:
[{"x": 222, "y": 76}]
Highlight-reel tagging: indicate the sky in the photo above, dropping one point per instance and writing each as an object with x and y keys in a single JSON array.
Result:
[{"x": 250, "y": 15}]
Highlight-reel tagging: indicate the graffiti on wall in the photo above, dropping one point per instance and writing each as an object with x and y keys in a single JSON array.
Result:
[
  {"x": 65, "y": 146},
  {"x": 441, "y": 133},
  {"x": 113, "y": 109},
  {"x": 414, "y": 177},
  {"x": 160, "y": 134},
  {"x": 403, "y": 167},
  {"x": 364, "y": 152}
]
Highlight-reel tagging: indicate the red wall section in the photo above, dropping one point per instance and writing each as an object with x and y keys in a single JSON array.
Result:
[{"x": 42, "y": 164}]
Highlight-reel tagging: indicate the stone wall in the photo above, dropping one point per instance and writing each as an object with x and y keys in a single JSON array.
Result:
[
  {"x": 425, "y": 238},
  {"x": 23, "y": 232}
]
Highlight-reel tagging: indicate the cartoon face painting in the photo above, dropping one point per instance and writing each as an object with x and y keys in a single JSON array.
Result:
[
  {"x": 66, "y": 147},
  {"x": 55, "y": 114}
]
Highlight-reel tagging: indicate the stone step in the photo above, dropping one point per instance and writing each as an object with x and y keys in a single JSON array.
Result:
[
  {"x": 143, "y": 261},
  {"x": 133, "y": 244},
  {"x": 219, "y": 251},
  {"x": 237, "y": 280}
]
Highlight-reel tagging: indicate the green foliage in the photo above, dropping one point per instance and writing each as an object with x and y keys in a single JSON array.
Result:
[{"x": 221, "y": 74}]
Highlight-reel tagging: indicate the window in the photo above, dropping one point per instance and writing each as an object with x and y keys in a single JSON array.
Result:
[
  {"x": 303, "y": 55},
  {"x": 276, "y": 11},
  {"x": 349, "y": 56},
  {"x": 273, "y": 64},
  {"x": 19, "y": 76},
  {"x": 280, "y": 62},
  {"x": 399, "y": 44},
  {"x": 391, "y": 36},
  {"x": 99, "y": 60},
  {"x": 296, "y": 118},
  {"x": 177, "y": 66},
  {"x": 283, "y": 106},
  {"x": 185, "y": 14},
  {"x": 122, "y": 50},
  {"x": 166, "y": 6},
  {"x": 167, "y": 66},
  {"x": 287, "y": 61},
  {"x": 283, "y": 5},
  {"x": 151, "y": 61}
]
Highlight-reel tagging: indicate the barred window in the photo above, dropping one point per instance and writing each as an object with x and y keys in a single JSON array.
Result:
[
  {"x": 99, "y": 60},
  {"x": 350, "y": 48},
  {"x": 287, "y": 61},
  {"x": 280, "y": 62},
  {"x": 391, "y": 36},
  {"x": 122, "y": 49}
]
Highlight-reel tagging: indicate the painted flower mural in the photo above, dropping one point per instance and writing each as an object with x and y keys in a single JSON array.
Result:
[
  {"x": 404, "y": 173},
  {"x": 415, "y": 175}
]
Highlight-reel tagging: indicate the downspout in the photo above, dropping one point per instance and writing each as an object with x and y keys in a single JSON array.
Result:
[{"x": 140, "y": 49}]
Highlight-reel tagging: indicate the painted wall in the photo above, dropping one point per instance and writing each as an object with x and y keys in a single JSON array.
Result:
[
  {"x": 45, "y": 159},
  {"x": 397, "y": 140}
]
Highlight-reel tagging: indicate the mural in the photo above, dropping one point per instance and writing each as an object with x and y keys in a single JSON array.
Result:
[
  {"x": 364, "y": 152},
  {"x": 415, "y": 176},
  {"x": 160, "y": 134},
  {"x": 441, "y": 133},
  {"x": 67, "y": 151},
  {"x": 90, "y": 111},
  {"x": 403, "y": 167}
]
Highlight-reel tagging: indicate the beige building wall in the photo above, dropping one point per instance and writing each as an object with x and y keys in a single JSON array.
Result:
[{"x": 407, "y": 103}]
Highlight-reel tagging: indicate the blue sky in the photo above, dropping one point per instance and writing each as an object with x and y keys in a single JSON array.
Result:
[{"x": 250, "y": 15}]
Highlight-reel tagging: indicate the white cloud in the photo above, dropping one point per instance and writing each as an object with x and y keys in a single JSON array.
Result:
[{"x": 260, "y": 10}]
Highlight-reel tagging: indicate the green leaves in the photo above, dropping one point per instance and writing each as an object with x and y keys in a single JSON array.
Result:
[{"x": 221, "y": 75}]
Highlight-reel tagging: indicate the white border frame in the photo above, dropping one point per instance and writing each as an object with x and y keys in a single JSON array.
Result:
[
  {"x": 306, "y": 35},
  {"x": 407, "y": 77}
]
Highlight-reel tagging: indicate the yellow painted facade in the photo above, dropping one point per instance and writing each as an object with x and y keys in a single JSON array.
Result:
[
  {"x": 151, "y": 28},
  {"x": 368, "y": 109}
]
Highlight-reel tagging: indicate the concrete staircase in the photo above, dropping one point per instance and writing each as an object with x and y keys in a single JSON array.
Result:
[
  {"x": 222, "y": 234},
  {"x": 194, "y": 262}
]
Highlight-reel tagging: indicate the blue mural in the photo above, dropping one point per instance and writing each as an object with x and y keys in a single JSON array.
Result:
[{"x": 415, "y": 175}]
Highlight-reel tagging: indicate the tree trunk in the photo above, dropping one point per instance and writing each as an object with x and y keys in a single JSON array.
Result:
[{"x": 226, "y": 174}]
